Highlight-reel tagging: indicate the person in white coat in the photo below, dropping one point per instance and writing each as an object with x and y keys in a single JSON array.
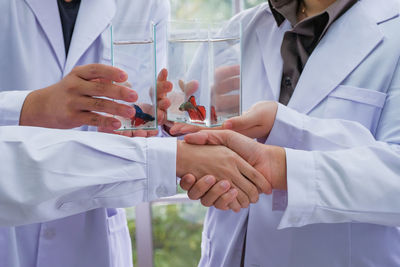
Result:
[
  {"x": 34, "y": 56},
  {"x": 336, "y": 142}
]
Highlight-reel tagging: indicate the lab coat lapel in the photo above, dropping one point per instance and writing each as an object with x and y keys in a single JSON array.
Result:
[
  {"x": 349, "y": 40},
  {"x": 93, "y": 18},
  {"x": 48, "y": 17},
  {"x": 270, "y": 44}
]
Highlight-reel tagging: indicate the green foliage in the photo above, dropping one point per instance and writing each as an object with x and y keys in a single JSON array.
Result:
[
  {"x": 252, "y": 3},
  {"x": 201, "y": 9},
  {"x": 176, "y": 234}
]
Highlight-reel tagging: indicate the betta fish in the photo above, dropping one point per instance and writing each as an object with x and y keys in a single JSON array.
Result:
[
  {"x": 140, "y": 117},
  {"x": 196, "y": 113}
]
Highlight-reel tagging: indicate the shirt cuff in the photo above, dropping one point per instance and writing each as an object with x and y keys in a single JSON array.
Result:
[
  {"x": 161, "y": 167},
  {"x": 302, "y": 188},
  {"x": 287, "y": 129},
  {"x": 11, "y": 103}
]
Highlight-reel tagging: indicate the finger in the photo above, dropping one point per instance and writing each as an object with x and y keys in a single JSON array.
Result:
[
  {"x": 235, "y": 206},
  {"x": 225, "y": 72},
  {"x": 94, "y": 119},
  {"x": 112, "y": 91},
  {"x": 164, "y": 104},
  {"x": 214, "y": 193},
  {"x": 161, "y": 117},
  {"x": 176, "y": 128},
  {"x": 187, "y": 181},
  {"x": 201, "y": 187},
  {"x": 242, "y": 198},
  {"x": 248, "y": 188},
  {"x": 163, "y": 88},
  {"x": 100, "y": 71},
  {"x": 228, "y": 85},
  {"x": 207, "y": 137},
  {"x": 139, "y": 133},
  {"x": 162, "y": 76},
  {"x": 227, "y": 103},
  {"x": 127, "y": 133},
  {"x": 256, "y": 178},
  {"x": 187, "y": 128},
  {"x": 151, "y": 133},
  {"x": 223, "y": 202},
  {"x": 104, "y": 105},
  {"x": 191, "y": 87}
]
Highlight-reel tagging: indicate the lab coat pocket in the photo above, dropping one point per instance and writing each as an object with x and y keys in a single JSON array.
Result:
[
  {"x": 119, "y": 239},
  {"x": 355, "y": 104}
]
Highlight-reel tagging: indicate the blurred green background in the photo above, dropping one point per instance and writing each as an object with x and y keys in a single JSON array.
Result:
[{"x": 177, "y": 228}]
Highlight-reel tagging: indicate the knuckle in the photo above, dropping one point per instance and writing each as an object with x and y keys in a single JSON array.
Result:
[
  {"x": 99, "y": 103},
  {"x": 75, "y": 70},
  {"x": 191, "y": 195},
  {"x": 121, "y": 92},
  {"x": 93, "y": 70},
  {"x": 205, "y": 203},
  {"x": 255, "y": 197},
  {"x": 100, "y": 88},
  {"x": 94, "y": 120}
]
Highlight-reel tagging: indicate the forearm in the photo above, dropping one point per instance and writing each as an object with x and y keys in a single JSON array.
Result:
[
  {"x": 49, "y": 174},
  {"x": 299, "y": 131},
  {"x": 360, "y": 184}
]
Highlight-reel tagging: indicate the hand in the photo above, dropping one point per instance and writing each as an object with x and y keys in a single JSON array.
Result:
[
  {"x": 163, "y": 103},
  {"x": 217, "y": 194},
  {"x": 74, "y": 101},
  {"x": 270, "y": 161},
  {"x": 257, "y": 122},
  {"x": 223, "y": 164},
  {"x": 226, "y": 80}
]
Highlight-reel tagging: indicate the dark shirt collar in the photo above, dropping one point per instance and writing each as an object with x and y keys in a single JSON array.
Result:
[{"x": 287, "y": 9}]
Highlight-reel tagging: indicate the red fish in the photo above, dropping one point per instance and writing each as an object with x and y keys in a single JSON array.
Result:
[
  {"x": 214, "y": 118},
  {"x": 196, "y": 113},
  {"x": 140, "y": 117}
]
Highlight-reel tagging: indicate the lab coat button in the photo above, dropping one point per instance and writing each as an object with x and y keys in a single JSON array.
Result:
[
  {"x": 161, "y": 191},
  {"x": 49, "y": 233}
]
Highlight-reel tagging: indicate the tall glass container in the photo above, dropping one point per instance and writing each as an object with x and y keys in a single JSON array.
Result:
[
  {"x": 204, "y": 64},
  {"x": 134, "y": 51}
]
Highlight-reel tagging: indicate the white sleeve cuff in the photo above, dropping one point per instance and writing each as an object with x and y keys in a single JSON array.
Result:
[
  {"x": 302, "y": 188},
  {"x": 10, "y": 107},
  {"x": 161, "y": 167},
  {"x": 287, "y": 129}
]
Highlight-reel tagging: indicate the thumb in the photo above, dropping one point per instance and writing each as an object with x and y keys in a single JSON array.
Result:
[
  {"x": 241, "y": 123},
  {"x": 208, "y": 137},
  {"x": 199, "y": 138},
  {"x": 187, "y": 182},
  {"x": 244, "y": 146}
]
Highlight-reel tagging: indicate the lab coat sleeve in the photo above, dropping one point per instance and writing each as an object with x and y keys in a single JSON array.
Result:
[
  {"x": 49, "y": 174},
  {"x": 337, "y": 171},
  {"x": 11, "y": 103}
]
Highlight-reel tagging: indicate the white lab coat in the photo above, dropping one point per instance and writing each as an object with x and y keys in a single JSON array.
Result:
[
  {"x": 32, "y": 56},
  {"x": 341, "y": 130}
]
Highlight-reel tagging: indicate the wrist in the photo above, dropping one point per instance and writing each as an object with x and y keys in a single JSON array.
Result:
[
  {"x": 31, "y": 109},
  {"x": 180, "y": 158},
  {"x": 277, "y": 158}
]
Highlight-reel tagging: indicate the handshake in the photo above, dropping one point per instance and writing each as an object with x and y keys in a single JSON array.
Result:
[
  {"x": 224, "y": 167},
  {"x": 228, "y": 170}
]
